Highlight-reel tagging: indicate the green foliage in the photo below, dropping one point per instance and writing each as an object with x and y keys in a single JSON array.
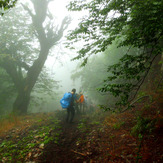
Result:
[
  {"x": 134, "y": 23},
  {"x": 143, "y": 126},
  {"x": 118, "y": 125},
  {"x": 5, "y": 5},
  {"x": 94, "y": 73},
  {"x": 114, "y": 19},
  {"x": 16, "y": 38},
  {"x": 82, "y": 126}
]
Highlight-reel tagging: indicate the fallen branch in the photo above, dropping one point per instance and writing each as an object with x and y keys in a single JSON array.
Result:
[{"x": 79, "y": 153}]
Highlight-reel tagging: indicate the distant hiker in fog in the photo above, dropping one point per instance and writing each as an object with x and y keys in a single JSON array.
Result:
[
  {"x": 81, "y": 102},
  {"x": 86, "y": 103},
  {"x": 77, "y": 104},
  {"x": 67, "y": 102}
]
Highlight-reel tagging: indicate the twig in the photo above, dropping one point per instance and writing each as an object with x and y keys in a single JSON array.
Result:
[{"x": 79, "y": 153}]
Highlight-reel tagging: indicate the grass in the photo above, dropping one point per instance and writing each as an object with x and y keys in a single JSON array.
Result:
[
  {"x": 118, "y": 125},
  {"x": 9, "y": 122}
]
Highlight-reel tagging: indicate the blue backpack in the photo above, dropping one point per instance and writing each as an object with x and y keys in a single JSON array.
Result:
[{"x": 66, "y": 99}]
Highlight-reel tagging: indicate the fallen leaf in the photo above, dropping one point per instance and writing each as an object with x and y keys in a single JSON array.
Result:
[
  {"x": 36, "y": 155},
  {"x": 41, "y": 146}
]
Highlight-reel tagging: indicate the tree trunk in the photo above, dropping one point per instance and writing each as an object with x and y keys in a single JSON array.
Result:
[{"x": 21, "y": 103}]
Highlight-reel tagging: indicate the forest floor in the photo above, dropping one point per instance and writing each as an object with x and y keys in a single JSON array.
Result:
[{"x": 132, "y": 136}]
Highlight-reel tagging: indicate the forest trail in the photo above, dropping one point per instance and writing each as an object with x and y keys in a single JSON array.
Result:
[
  {"x": 96, "y": 137},
  {"x": 63, "y": 150}
]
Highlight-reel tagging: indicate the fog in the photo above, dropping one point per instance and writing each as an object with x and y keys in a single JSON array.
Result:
[
  {"x": 61, "y": 63},
  {"x": 60, "y": 73},
  {"x": 62, "y": 69}
]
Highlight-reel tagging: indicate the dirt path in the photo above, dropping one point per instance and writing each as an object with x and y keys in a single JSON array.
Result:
[{"x": 62, "y": 152}]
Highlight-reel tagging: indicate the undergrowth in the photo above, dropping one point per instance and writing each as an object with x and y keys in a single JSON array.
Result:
[{"x": 32, "y": 143}]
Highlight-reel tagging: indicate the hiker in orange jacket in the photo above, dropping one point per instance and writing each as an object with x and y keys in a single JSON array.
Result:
[{"x": 81, "y": 102}]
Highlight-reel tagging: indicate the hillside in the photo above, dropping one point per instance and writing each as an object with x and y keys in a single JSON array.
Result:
[{"x": 132, "y": 136}]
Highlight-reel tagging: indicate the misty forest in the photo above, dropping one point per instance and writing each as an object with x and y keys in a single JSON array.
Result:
[{"x": 81, "y": 81}]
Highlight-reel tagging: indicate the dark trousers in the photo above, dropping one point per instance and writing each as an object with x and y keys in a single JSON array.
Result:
[
  {"x": 70, "y": 114},
  {"x": 81, "y": 106}
]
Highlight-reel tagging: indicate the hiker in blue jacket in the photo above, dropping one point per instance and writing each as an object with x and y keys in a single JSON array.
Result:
[{"x": 71, "y": 109}]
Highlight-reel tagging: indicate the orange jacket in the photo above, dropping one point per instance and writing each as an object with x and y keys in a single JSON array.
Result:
[{"x": 81, "y": 99}]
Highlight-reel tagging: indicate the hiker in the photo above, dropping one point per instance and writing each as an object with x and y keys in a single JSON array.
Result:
[
  {"x": 71, "y": 109},
  {"x": 81, "y": 102},
  {"x": 67, "y": 102}
]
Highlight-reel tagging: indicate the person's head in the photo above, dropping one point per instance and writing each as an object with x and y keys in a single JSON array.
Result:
[
  {"x": 73, "y": 90},
  {"x": 80, "y": 92}
]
